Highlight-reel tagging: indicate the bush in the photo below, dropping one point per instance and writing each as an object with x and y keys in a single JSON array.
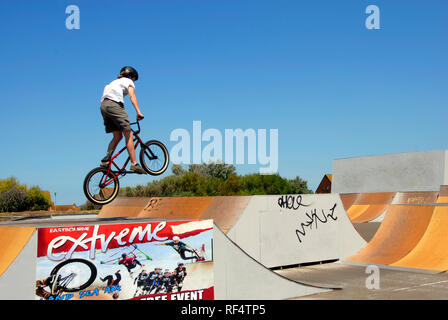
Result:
[
  {"x": 13, "y": 200},
  {"x": 15, "y": 197},
  {"x": 89, "y": 206},
  {"x": 38, "y": 200},
  {"x": 216, "y": 180}
]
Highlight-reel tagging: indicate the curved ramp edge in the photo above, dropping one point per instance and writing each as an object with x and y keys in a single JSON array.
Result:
[
  {"x": 12, "y": 240},
  {"x": 431, "y": 251},
  {"x": 18, "y": 282},
  {"x": 239, "y": 277},
  {"x": 401, "y": 230}
]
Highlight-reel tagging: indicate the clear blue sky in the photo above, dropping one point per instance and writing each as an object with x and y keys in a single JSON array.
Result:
[{"x": 310, "y": 69}]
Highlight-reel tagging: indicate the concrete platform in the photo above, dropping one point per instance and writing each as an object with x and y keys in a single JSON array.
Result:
[{"x": 393, "y": 284}]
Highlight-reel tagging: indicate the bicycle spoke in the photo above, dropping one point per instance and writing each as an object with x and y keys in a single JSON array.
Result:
[
  {"x": 72, "y": 276},
  {"x": 154, "y": 157},
  {"x": 101, "y": 187}
]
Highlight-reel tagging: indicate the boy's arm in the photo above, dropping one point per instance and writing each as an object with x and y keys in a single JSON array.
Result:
[
  {"x": 171, "y": 243},
  {"x": 133, "y": 97}
]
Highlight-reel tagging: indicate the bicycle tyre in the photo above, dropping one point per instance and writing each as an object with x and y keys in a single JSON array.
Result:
[
  {"x": 95, "y": 198},
  {"x": 144, "y": 160},
  {"x": 77, "y": 260}
]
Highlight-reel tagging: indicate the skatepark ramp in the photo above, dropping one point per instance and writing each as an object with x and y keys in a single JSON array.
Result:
[
  {"x": 416, "y": 197},
  {"x": 13, "y": 240},
  {"x": 276, "y": 231},
  {"x": 236, "y": 275},
  {"x": 364, "y": 207},
  {"x": 410, "y": 236},
  {"x": 431, "y": 252},
  {"x": 443, "y": 195}
]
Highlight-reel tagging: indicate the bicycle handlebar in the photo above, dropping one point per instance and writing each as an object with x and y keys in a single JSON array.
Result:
[{"x": 138, "y": 125}]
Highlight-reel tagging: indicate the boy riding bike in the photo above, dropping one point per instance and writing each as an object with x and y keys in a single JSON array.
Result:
[{"x": 116, "y": 119}]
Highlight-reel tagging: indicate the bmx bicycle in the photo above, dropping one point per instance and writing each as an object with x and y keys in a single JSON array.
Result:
[
  {"x": 68, "y": 276},
  {"x": 101, "y": 184}
]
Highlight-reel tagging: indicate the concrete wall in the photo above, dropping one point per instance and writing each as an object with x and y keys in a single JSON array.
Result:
[
  {"x": 413, "y": 171},
  {"x": 291, "y": 234},
  {"x": 239, "y": 277},
  {"x": 19, "y": 280}
]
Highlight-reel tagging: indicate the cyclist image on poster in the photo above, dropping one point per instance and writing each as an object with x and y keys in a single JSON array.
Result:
[
  {"x": 110, "y": 281},
  {"x": 130, "y": 261},
  {"x": 182, "y": 248}
]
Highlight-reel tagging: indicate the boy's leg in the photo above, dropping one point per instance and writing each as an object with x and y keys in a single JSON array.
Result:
[
  {"x": 111, "y": 148},
  {"x": 129, "y": 137},
  {"x": 183, "y": 256}
]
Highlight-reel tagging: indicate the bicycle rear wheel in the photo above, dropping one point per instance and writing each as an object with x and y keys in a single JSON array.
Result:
[
  {"x": 154, "y": 157},
  {"x": 96, "y": 186}
]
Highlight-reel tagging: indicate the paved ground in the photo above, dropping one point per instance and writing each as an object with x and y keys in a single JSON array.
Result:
[{"x": 393, "y": 284}]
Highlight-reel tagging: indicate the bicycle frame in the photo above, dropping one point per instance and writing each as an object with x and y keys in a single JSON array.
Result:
[{"x": 122, "y": 171}]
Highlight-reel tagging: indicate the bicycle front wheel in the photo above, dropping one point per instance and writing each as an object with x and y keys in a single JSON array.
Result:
[
  {"x": 154, "y": 157},
  {"x": 73, "y": 275},
  {"x": 100, "y": 187}
]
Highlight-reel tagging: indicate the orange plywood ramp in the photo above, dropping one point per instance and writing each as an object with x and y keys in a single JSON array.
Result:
[
  {"x": 348, "y": 199},
  {"x": 416, "y": 197},
  {"x": 371, "y": 213},
  {"x": 356, "y": 210},
  {"x": 123, "y": 207},
  {"x": 431, "y": 252},
  {"x": 175, "y": 208},
  {"x": 12, "y": 241},
  {"x": 443, "y": 195},
  {"x": 225, "y": 211},
  {"x": 369, "y": 206},
  {"x": 401, "y": 230}
]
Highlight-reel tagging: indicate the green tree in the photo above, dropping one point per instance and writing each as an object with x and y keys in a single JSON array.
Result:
[
  {"x": 216, "y": 179},
  {"x": 15, "y": 197},
  {"x": 299, "y": 186}
]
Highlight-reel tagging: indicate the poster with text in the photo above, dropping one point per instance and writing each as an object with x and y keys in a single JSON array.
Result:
[{"x": 165, "y": 260}]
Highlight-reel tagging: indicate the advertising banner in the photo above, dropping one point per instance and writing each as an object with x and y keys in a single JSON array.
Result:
[{"x": 165, "y": 260}]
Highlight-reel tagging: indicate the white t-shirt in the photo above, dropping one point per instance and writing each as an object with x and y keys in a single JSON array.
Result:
[{"x": 117, "y": 89}]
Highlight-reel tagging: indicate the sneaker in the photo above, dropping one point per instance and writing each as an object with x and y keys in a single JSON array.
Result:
[
  {"x": 138, "y": 169},
  {"x": 105, "y": 161}
]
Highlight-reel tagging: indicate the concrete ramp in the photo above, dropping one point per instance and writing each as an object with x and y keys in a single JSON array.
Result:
[
  {"x": 400, "y": 231},
  {"x": 275, "y": 230},
  {"x": 18, "y": 281},
  {"x": 240, "y": 277}
]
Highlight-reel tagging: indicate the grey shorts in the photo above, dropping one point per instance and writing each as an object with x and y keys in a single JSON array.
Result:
[{"x": 115, "y": 116}]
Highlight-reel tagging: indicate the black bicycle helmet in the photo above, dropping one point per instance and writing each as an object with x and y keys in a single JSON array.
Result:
[{"x": 128, "y": 71}]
